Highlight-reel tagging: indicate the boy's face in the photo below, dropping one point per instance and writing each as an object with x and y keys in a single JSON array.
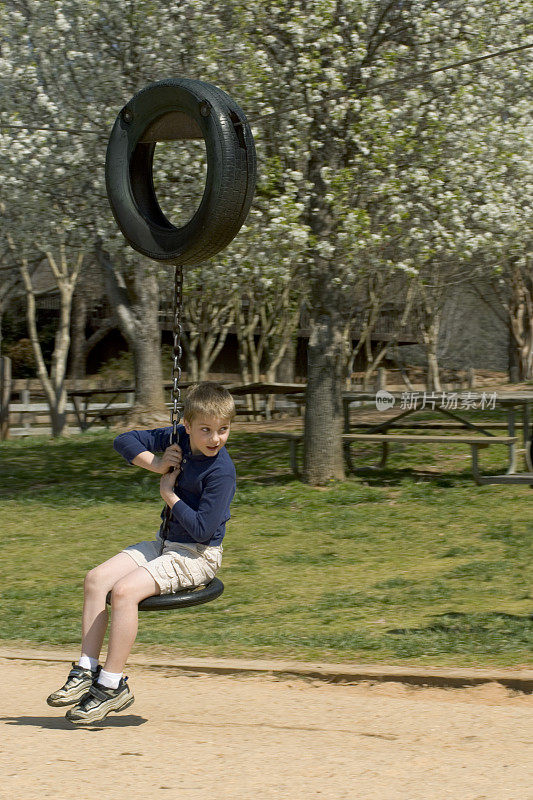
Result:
[{"x": 207, "y": 434}]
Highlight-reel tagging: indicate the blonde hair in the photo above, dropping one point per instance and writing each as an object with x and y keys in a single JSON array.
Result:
[{"x": 209, "y": 399}]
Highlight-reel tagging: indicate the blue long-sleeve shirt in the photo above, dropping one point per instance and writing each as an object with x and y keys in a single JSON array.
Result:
[{"x": 205, "y": 486}]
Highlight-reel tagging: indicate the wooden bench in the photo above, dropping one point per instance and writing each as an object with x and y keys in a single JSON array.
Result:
[
  {"x": 430, "y": 424},
  {"x": 475, "y": 442},
  {"x": 106, "y": 414}
]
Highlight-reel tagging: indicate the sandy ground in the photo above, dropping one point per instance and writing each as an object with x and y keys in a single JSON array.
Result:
[{"x": 256, "y": 737}]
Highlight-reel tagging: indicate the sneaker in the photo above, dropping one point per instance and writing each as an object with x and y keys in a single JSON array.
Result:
[
  {"x": 99, "y": 701},
  {"x": 78, "y": 683}
]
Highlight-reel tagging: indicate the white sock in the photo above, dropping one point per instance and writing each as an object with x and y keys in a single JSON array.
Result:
[
  {"x": 87, "y": 662},
  {"x": 109, "y": 679}
]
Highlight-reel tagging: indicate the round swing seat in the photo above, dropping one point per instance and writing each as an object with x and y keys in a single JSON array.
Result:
[{"x": 183, "y": 599}]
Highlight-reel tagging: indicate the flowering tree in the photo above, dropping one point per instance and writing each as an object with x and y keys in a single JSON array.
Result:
[
  {"x": 69, "y": 68},
  {"x": 502, "y": 219},
  {"x": 52, "y": 379},
  {"x": 264, "y": 263},
  {"x": 36, "y": 229},
  {"x": 74, "y": 65},
  {"x": 363, "y": 170},
  {"x": 364, "y": 150},
  {"x": 470, "y": 196}
]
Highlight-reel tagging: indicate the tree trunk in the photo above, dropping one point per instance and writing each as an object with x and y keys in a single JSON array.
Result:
[
  {"x": 189, "y": 342},
  {"x": 193, "y": 370},
  {"x": 5, "y": 396},
  {"x": 520, "y": 309},
  {"x": 284, "y": 370},
  {"x": 58, "y": 415},
  {"x": 431, "y": 335},
  {"x": 137, "y": 312},
  {"x": 149, "y": 392},
  {"x": 433, "y": 375},
  {"x": 374, "y": 365},
  {"x": 323, "y": 427},
  {"x": 53, "y": 382},
  {"x": 243, "y": 322},
  {"x": 514, "y": 360},
  {"x": 78, "y": 342},
  {"x": 432, "y": 309},
  {"x": 526, "y": 355}
]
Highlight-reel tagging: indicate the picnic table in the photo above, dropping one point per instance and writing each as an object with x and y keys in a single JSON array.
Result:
[
  {"x": 88, "y": 412},
  {"x": 294, "y": 390},
  {"x": 448, "y": 425},
  {"x": 523, "y": 402},
  {"x": 261, "y": 387},
  {"x": 452, "y": 406}
]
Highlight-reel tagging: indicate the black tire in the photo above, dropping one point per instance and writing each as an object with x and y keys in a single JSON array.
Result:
[
  {"x": 184, "y": 599},
  {"x": 180, "y": 109}
]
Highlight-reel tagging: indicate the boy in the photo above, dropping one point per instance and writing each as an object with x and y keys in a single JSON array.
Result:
[{"x": 189, "y": 556}]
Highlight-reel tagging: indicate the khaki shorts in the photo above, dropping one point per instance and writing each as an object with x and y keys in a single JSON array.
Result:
[{"x": 175, "y": 566}]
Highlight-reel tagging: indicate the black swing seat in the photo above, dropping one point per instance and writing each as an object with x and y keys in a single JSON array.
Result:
[{"x": 183, "y": 599}]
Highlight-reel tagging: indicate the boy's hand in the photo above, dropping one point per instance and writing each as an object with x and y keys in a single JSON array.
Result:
[
  {"x": 166, "y": 487},
  {"x": 171, "y": 458}
]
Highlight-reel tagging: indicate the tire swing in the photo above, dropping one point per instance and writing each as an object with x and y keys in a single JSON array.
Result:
[
  {"x": 173, "y": 110},
  {"x": 178, "y": 109}
]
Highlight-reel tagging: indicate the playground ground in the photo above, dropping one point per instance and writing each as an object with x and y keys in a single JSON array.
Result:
[
  {"x": 248, "y": 737},
  {"x": 454, "y": 593}
]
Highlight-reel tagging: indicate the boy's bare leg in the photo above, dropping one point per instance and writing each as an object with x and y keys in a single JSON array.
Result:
[
  {"x": 126, "y": 595},
  {"x": 98, "y": 582}
]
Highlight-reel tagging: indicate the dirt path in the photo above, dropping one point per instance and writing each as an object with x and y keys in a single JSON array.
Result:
[{"x": 251, "y": 738}]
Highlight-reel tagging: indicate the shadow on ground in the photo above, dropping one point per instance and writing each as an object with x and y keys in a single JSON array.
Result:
[{"x": 60, "y": 723}]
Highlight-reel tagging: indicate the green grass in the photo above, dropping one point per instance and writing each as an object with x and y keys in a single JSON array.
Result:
[{"x": 412, "y": 564}]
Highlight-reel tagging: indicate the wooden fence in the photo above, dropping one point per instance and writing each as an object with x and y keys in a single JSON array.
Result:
[
  {"x": 24, "y": 411},
  {"x": 93, "y": 406}
]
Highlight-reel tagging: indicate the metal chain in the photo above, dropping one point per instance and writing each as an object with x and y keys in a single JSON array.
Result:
[
  {"x": 176, "y": 410},
  {"x": 175, "y": 392}
]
